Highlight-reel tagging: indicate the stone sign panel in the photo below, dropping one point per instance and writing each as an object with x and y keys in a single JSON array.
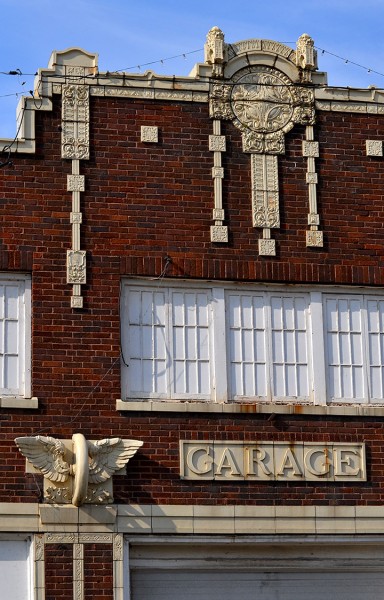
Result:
[{"x": 284, "y": 461}]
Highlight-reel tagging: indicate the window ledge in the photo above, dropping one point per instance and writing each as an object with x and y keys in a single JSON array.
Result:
[
  {"x": 18, "y": 402},
  {"x": 355, "y": 410}
]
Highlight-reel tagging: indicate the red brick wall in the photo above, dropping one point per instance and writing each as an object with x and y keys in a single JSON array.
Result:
[
  {"x": 58, "y": 571},
  {"x": 98, "y": 572},
  {"x": 153, "y": 474},
  {"x": 144, "y": 202}
]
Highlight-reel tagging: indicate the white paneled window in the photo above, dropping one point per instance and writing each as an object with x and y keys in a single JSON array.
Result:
[
  {"x": 251, "y": 343},
  {"x": 354, "y": 329},
  {"x": 375, "y": 333},
  {"x": 168, "y": 343},
  {"x": 15, "y": 336},
  {"x": 268, "y": 347}
]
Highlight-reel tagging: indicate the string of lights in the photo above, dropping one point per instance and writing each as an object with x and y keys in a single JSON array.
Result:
[
  {"x": 161, "y": 61},
  {"x": 351, "y": 62},
  {"x": 13, "y": 94},
  {"x": 139, "y": 66}
]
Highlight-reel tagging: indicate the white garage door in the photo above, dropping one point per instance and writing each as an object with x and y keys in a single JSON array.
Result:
[
  {"x": 273, "y": 570},
  {"x": 222, "y": 585}
]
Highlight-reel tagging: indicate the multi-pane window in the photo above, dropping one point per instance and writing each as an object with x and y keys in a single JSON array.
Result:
[
  {"x": 14, "y": 336},
  {"x": 243, "y": 343},
  {"x": 267, "y": 341},
  {"x": 354, "y": 347},
  {"x": 168, "y": 343}
]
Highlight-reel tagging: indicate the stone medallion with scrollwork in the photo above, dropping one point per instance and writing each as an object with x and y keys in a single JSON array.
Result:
[{"x": 264, "y": 104}]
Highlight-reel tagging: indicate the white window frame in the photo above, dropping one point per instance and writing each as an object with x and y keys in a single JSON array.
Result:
[
  {"x": 267, "y": 296},
  {"x": 363, "y": 298},
  {"x": 317, "y": 359},
  {"x": 24, "y": 335},
  {"x": 169, "y": 395}
]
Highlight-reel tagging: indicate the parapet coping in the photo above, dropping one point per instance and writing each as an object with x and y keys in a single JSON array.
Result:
[
  {"x": 330, "y": 410},
  {"x": 190, "y": 519},
  {"x": 150, "y": 86}
]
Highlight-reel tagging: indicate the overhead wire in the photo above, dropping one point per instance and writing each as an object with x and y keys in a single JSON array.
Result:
[
  {"x": 162, "y": 60},
  {"x": 18, "y": 72},
  {"x": 119, "y": 72},
  {"x": 351, "y": 62},
  {"x": 7, "y": 148}
]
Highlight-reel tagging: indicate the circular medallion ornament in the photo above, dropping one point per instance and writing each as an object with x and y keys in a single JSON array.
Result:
[{"x": 263, "y": 101}]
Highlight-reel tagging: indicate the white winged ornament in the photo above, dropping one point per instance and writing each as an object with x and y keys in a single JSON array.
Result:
[{"x": 78, "y": 471}]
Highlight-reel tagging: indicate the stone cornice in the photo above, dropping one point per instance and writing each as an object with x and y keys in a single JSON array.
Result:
[{"x": 77, "y": 66}]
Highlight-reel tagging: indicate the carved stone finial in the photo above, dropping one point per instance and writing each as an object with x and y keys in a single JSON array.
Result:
[
  {"x": 77, "y": 471},
  {"x": 215, "y": 50},
  {"x": 306, "y": 55}
]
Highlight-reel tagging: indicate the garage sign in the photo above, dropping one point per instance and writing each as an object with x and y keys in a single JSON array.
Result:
[{"x": 285, "y": 461}]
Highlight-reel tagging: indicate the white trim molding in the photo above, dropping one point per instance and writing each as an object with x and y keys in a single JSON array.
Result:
[{"x": 153, "y": 519}]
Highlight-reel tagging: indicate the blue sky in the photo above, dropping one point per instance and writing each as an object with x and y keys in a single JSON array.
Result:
[{"x": 126, "y": 33}]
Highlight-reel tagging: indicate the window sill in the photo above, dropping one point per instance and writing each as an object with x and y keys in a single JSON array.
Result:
[
  {"x": 18, "y": 402},
  {"x": 355, "y": 410}
]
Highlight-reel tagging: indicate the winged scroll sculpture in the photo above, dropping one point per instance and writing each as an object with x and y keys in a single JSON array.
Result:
[{"x": 78, "y": 471}]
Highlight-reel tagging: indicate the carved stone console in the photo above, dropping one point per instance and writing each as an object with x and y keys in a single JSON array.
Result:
[{"x": 77, "y": 471}]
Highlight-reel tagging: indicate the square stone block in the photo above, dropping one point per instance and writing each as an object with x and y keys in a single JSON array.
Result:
[
  {"x": 310, "y": 149},
  {"x": 217, "y": 143},
  {"x": 219, "y": 233},
  {"x": 314, "y": 239},
  {"x": 75, "y": 183},
  {"x": 374, "y": 147},
  {"x": 149, "y": 134},
  {"x": 267, "y": 247}
]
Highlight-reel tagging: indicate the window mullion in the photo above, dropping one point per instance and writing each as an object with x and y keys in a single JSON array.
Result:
[
  {"x": 219, "y": 346},
  {"x": 20, "y": 345},
  {"x": 269, "y": 348},
  {"x": 284, "y": 352},
  {"x": 365, "y": 348},
  {"x": 316, "y": 339},
  {"x": 350, "y": 351},
  {"x": 124, "y": 328},
  {"x": 25, "y": 338},
  {"x": 168, "y": 332},
  {"x": 3, "y": 378}
]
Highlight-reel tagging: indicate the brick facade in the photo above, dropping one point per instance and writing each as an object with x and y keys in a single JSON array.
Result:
[{"x": 143, "y": 203}]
